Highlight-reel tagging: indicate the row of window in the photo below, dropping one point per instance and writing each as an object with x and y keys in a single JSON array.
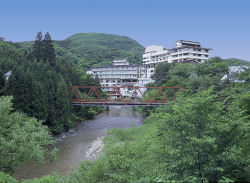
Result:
[
  {"x": 159, "y": 59},
  {"x": 118, "y": 82},
  {"x": 116, "y": 72},
  {"x": 174, "y": 56},
  {"x": 117, "y": 76},
  {"x": 108, "y": 85},
  {"x": 191, "y": 49},
  {"x": 187, "y": 54},
  {"x": 114, "y": 68},
  {"x": 180, "y": 60},
  {"x": 159, "y": 56}
]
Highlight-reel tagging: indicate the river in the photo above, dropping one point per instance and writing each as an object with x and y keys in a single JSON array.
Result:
[{"x": 83, "y": 143}]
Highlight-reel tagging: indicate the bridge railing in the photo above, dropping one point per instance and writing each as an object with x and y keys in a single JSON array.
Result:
[{"x": 124, "y": 95}]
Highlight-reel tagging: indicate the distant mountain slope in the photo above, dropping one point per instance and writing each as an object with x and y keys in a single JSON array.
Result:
[
  {"x": 88, "y": 49},
  {"x": 236, "y": 62}
]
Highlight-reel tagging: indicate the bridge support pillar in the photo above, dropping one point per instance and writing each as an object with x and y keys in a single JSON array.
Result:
[{"x": 107, "y": 108}]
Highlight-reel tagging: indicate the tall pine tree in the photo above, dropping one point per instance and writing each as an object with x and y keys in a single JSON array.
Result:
[
  {"x": 38, "y": 47},
  {"x": 49, "y": 52}
]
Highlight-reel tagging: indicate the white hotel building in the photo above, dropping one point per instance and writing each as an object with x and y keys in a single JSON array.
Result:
[
  {"x": 184, "y": 51},
  {"x": 119, "y": 74}
]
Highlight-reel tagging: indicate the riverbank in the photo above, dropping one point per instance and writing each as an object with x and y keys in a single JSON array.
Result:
[{"x": 83, "y": 143}]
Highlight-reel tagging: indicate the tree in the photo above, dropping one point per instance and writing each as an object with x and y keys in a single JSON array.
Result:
[
  {"x": 38, "y": 48},
  {"x": 49, "y": 52},
  {"x": 2, "y": 82},
  {"x": 160, "y": 76},
  {"x": 245, "y": 103},
  {"x": 43, "y": 49},
  {"x": 202, "y": 142},
  {"x": 22, "y": 138},
  {"x": 5, "y": 178},
  {"x": 245, "y": 75},
  {"x": 213, "y": 67},
  {"x": 62, "y": 107}
]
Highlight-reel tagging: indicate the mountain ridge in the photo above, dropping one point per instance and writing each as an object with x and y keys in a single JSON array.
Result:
[{"x": 95, "y": 49}]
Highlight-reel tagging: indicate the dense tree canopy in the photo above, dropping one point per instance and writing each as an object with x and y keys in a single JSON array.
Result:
[
  {"x": 41, "y": 83},
  {"x": 202, "y": 141},
  {"x": 22, "y": 138}
]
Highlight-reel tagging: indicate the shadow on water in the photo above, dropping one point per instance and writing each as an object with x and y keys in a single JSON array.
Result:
[{"x": 76, "y": 145}]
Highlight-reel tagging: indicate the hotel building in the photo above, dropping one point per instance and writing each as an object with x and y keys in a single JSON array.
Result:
[
  {"x": 119, "y": 74},
  {"x": 184, "y": 51}
]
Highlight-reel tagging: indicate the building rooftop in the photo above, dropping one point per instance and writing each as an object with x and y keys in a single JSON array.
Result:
[
  {"x": 176, "y": 48},
  {"x": 8, "y": 73},
  {"x": 189, "y": 41},
  {"x": 116, "y": 66},
  {"x": 153, "y": 48}
]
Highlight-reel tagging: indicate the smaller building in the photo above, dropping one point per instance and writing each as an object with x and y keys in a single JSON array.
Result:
[
  {"x": 7, "y": 75},
  {"x": 234, "y": 69},
  {"x": 152, "y": 56},
  {"x": 238, "y": 69}
]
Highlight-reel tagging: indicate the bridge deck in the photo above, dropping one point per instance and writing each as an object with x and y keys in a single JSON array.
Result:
[
  {"x": 93, "y": 96},
  {"x": 119, "y": 103}
]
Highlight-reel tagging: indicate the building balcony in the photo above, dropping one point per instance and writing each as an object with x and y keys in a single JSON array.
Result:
[{"x": 129, "y": 77}]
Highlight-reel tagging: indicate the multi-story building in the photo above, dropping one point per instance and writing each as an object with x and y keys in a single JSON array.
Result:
[
  {"x": 184, "y": 51},
  {"x": 188, "y": 51},
  {"x": 119, "y": 74},
  {"x": 153, "y": 55}
]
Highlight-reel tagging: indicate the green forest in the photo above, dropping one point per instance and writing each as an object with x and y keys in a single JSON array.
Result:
[
  {"x": 40, "y": 83},
  {"x": 202, "y": 136}
]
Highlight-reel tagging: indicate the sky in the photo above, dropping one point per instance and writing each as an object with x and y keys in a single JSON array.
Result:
[{"x": 223, "y": 25}]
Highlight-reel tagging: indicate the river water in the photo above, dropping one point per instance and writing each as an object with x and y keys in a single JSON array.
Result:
[{"x": 84, "y": 143}]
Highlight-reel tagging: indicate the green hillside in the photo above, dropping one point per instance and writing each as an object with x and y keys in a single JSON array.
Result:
[
  {"x": 88, "y": 49},
  {"x": 236, "y": 62}
]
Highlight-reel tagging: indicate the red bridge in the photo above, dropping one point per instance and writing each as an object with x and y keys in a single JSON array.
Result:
[{"x": 123, "y": 95}]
